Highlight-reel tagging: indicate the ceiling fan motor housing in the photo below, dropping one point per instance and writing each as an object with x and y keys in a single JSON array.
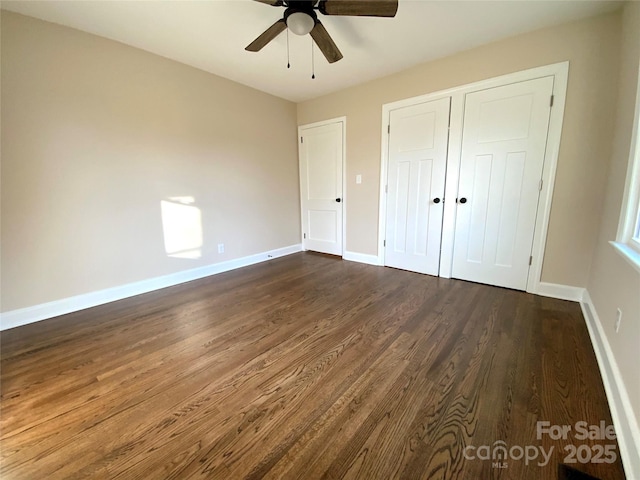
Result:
[{"x": 300, "y": 17}]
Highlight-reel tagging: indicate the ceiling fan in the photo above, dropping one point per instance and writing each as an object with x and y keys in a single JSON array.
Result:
[{"x": 300, "y": 17}]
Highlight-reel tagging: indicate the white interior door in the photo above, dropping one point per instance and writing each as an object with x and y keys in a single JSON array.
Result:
[
  {"x": 321, "y": 158},
  {"x": 418, "y": 140},
  {"x": 503, "y": 147}
]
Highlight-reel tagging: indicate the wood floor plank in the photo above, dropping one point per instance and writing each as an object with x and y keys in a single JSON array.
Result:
[{"x": 305, "y": 367}]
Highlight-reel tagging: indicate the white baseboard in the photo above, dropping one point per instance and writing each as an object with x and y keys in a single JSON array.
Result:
[
  {"x": 23, "y": 316},
  {"x": 562, "y": 292},
  {"x": 361, "y": 258},
  {"x": 624, "y": 420}
]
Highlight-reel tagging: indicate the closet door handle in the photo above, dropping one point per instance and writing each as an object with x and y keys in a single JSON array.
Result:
[{"x": 436, "y": 200}]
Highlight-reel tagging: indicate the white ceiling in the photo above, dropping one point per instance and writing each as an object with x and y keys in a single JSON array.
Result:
[{"x": 211, "y": 35}]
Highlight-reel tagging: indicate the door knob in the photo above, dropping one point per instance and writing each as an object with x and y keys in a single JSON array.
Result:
[
  {"x": 462, "y": 200},
  {"x": 436, "y": 200},
  {"x": 338, "y": 200}
]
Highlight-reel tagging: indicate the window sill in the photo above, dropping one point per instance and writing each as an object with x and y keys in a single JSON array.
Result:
[{"x": 629, "y": 254}]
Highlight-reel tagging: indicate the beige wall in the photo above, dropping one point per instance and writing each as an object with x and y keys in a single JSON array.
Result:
[
  {"x": 591, "y": 46},
  {"x": 613, "y": 283},
  {"x": 95, "y": 134}
]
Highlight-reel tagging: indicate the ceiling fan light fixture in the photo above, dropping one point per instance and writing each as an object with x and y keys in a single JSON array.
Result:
[{"x": 300, "y": 23}]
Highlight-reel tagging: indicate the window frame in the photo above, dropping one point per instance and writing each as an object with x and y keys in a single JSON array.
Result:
[
  {"x": 635, "y": 238},
  {"x": 627, "y": 241}
]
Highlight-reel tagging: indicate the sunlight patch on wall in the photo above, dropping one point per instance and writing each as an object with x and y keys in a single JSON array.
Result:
[{"x": 182, "y": 227}]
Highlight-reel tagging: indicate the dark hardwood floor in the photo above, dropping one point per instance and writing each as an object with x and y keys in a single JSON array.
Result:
[{"x": 303, "y": 367}]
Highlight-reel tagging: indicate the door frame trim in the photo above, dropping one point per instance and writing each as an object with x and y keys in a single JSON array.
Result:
[
  {"x": 322, "y": 123},
  {"x": 560, "y": 72}
]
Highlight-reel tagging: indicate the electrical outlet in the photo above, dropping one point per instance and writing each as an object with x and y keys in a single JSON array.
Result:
[
  {"x": 618, "y": 319},
  {"x": 221, "y": 248},
  {"x": 358, "y": 179}
]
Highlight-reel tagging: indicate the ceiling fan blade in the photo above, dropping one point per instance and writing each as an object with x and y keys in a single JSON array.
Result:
[
  {"x": 269, "y": 34},
  {"x": 362, "y": 8},
  {"x": 325, "y": 43},
  {"x": 273, "y": 3}
]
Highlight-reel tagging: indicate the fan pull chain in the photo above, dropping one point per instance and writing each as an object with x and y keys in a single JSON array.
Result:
[
  {"x": 313, "y": 63},
  {"x": 288, "y": 62}
]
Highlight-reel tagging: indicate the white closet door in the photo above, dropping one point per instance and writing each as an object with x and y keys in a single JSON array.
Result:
[
  {"x": 503, "y": 147},
  {"x": 416, "y": 176}
]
